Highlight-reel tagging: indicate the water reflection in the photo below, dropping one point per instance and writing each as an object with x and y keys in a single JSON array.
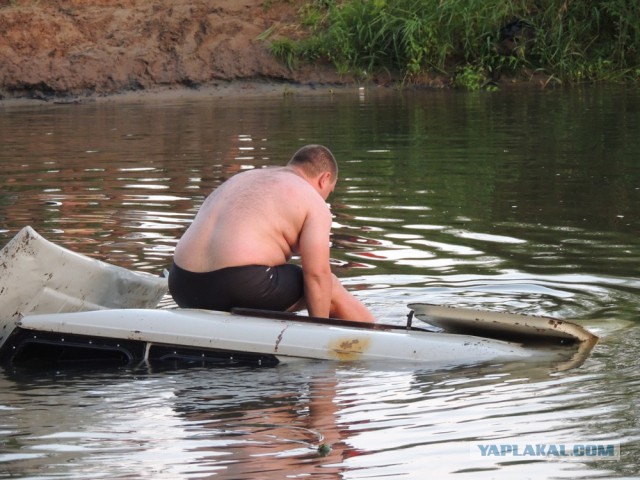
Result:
[
  {"x": 521, "y": 202},
  {"x": 241, "y": 422}
]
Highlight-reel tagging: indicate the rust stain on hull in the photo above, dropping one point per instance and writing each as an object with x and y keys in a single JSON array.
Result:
[{"x": 348, "y": 348}]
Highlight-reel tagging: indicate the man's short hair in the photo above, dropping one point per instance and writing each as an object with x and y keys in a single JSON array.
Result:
[{"x": 314, "y": 160}]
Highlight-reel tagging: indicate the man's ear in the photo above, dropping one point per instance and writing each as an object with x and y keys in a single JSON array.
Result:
[{"x": 324, "y": 180}]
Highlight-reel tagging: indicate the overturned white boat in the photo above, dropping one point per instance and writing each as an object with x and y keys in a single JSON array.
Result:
[{"x": 59, "y": 307}]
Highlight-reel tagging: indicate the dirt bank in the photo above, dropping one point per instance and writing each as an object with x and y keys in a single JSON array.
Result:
[{"x": 63, "y": 48}]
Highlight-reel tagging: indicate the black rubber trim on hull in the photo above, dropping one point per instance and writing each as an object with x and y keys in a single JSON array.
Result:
[{"x": 29, "y": 348}]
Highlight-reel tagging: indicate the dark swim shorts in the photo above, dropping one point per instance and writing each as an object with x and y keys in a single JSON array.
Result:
[{"x": 251, "y": 286}]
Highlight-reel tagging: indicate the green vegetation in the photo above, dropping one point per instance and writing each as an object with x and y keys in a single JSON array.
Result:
[{"x": 472, "y": 41}]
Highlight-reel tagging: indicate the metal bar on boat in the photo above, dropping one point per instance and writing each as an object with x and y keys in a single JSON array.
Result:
[{"x": 294, "y": 317}]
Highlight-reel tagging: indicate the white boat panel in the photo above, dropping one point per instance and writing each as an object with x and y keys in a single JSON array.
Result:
[
  {"x": 504, "y": 325},
  {"x": 38, "y": 276},
  {"x": 283, "y": 338}
]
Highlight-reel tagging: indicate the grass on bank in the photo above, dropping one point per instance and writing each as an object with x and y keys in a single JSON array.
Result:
[{"x": 472, "y": 41}]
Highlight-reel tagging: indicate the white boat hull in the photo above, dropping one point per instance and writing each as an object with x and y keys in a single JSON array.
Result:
[
  {"x": 284, "y": 339},
  {"x": 57, "y": 306}
]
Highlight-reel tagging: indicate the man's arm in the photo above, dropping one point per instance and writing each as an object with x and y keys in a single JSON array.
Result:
[{"x": 314, "y": 252}]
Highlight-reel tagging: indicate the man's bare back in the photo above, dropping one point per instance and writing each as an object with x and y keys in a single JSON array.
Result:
[
  {"x": 245, "y": 221},
  {"x": 262, "y": 218}
]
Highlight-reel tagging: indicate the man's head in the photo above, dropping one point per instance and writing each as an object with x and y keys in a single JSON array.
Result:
[{"x": 318, "y": 165}]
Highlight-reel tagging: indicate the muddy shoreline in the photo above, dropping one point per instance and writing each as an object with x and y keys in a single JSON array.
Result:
[
  {"x": 73, "y": 50},
  {"x": 77, "y": 51}
]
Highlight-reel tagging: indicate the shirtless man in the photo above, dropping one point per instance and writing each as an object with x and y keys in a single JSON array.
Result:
[{"x": 235, "y": 252}]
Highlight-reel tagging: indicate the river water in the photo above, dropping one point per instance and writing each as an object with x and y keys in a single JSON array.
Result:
[{"x": 524, "y": 201}]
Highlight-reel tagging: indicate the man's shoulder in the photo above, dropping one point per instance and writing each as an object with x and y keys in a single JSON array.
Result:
[{"x": 280, "y": 185}]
